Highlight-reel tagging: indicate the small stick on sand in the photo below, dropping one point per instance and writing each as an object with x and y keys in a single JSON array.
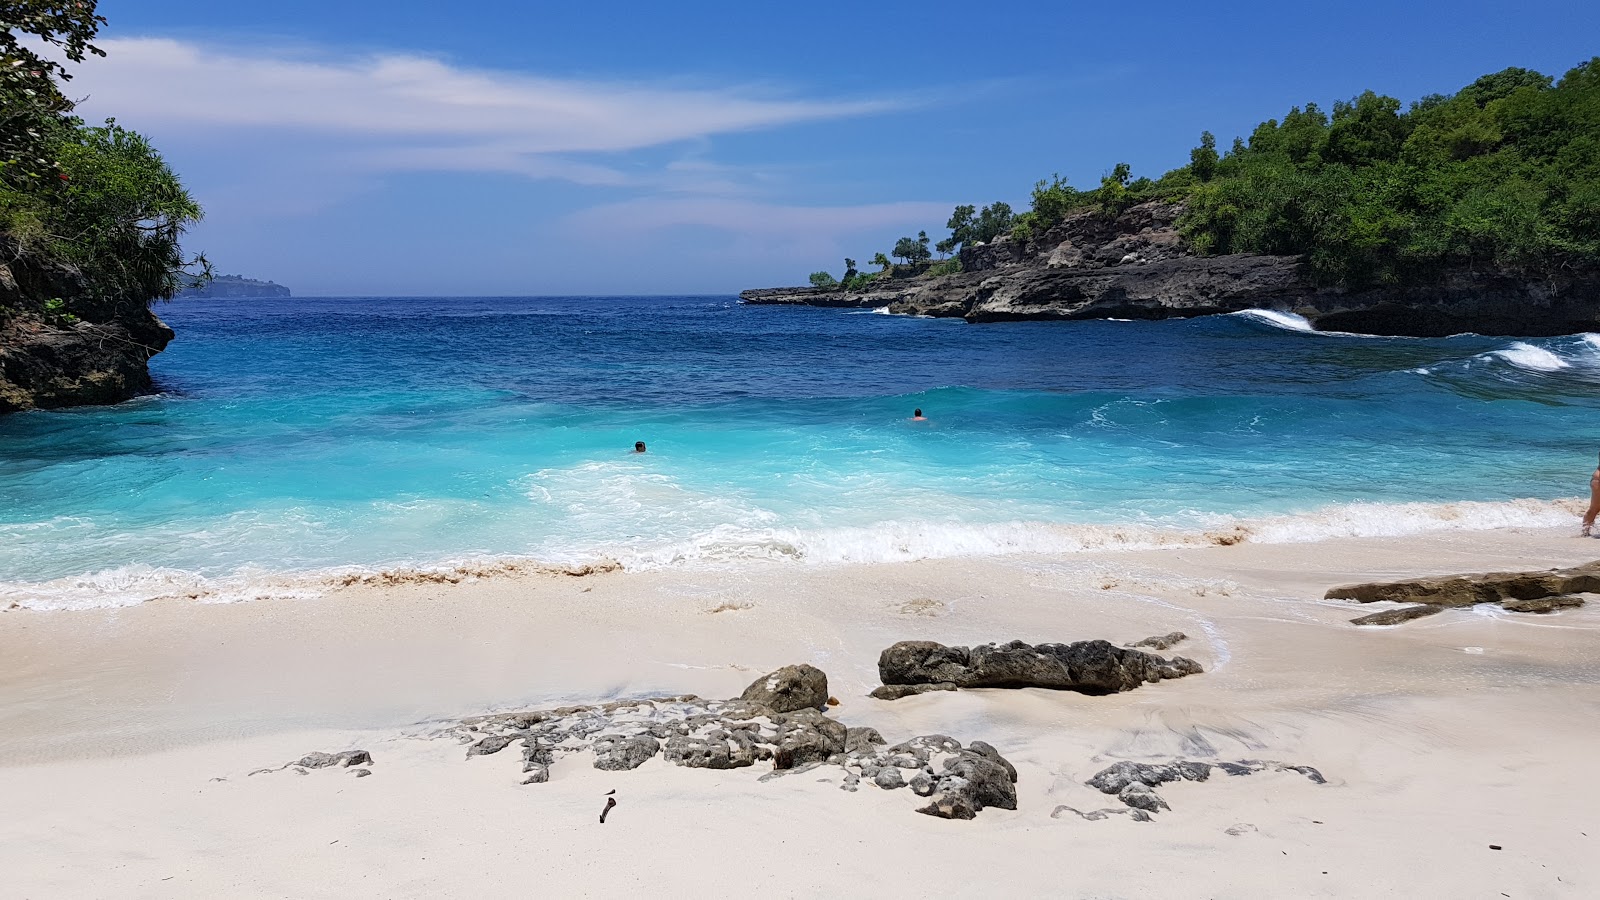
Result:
[{"x": 610, "y": 802}]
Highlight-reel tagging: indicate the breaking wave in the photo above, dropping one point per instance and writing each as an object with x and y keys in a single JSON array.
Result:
[{"x": 730, "y": 545}]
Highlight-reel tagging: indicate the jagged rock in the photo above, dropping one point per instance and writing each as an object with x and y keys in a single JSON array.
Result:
[
  {"x": 1096, "y": 815},
  {"x": 493, "y": 743},
  {"x": 851, "y": 783},
  {"x": 789, "y": 689},
  {"x": 970, "y": 783},
  {"x": 896, "y": 691},
  {"x": 806, "y": 736},
  {"x": 922, "y": 784},
  {"x": 1468, "y": 590},
  {"x": 1161, "y": 642},
  {"x": 733, "y": 752},
  {"x": 861, "y": 740},
  {"x": 360, "y": 773},
  {"x": 1140, "y": 796},
  {"x": 616, "y": 753},
  {"x": 983, "y": 748},
  {"x": 889, "y": 778},
  {"x": 1095, "y": 667},
  {"x": 1397, "y": 616},
  {"x": 1543, "y": 604},
  {"x": 537, "y": 774},
  {"x": 347, "y": 758},
  {"x": 1112, "y": 779}
]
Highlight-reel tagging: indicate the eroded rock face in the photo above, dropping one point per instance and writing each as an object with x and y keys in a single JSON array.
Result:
[
  {"x": 1136, "y": 266},
  {"x": 790, "y": 688},
  {"x": 1540, "y": 592},
  {"x": 1095, "y": 667}
]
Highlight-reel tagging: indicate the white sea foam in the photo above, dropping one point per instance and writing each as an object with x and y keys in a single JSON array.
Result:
[
  {"x": 1285, "y": 320},
  {"x": 1531, "y": 358},
  {"x": 733, "y": 544}
]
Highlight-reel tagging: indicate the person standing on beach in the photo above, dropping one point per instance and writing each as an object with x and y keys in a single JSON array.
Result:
[{"x": 1594, "y": 502}]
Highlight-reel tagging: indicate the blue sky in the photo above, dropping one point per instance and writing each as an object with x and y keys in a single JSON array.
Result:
[{"x": 406, "y": 147}]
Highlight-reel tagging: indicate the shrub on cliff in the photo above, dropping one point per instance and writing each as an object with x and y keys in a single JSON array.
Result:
[{"x": 96, "y": 201}]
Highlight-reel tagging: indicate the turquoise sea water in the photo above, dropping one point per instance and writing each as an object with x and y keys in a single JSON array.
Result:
[{"x": 294, "y": 437}]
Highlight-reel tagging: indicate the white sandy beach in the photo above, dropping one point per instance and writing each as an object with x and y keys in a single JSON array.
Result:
[{"x": 126, "y": 735}]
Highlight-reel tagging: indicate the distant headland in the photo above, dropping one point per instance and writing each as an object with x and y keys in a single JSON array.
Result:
[
  {"x": 1478, "y": 211},
  {"x": 235, "y": 286}
]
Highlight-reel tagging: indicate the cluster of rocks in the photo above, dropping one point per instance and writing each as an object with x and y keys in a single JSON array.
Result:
[
  {"x": 1134, "y": 783},
  {"x": 1091, "y": 667},
  {"x": 781, "y": 719},
  {"x": 778, "y": 719},
  {"x": 1525, "y": 592}
]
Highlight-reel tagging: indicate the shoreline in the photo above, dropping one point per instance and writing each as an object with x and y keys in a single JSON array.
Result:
[
  {"x": 1437, "y": 737},
  {"x": 884, "y": 543}
]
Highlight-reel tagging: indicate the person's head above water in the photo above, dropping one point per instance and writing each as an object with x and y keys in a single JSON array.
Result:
[
  {"x": 638, "y": 446},
  {"x": 916, "y": 413}
]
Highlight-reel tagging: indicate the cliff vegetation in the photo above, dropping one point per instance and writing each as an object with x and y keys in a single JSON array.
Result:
[
  {"x": 90, "y": 222},
  {"x": 1502, "y": 176}
]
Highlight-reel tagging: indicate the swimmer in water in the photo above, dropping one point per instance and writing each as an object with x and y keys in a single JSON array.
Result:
[
  {"x": 638, "y": 446},
  {"x": 917, "y": 416},
  {"x": 1594, "y": 503}
]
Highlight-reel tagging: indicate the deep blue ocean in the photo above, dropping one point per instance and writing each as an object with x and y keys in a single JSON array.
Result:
[{"x": 295, "y": 437}]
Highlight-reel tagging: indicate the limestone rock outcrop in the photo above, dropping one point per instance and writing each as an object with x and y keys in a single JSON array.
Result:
[{"x": 1092, "y": 667}]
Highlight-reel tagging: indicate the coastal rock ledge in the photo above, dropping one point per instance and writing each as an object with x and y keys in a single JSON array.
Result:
[
  {"x": 1137, "y": 266},
  {"x": 47, "y": 362}
]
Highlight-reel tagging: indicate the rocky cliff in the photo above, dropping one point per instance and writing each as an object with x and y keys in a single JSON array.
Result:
[
  {"x": 1137, "y": 266},
  {"x": 50, "y": 359},
  {"x": 235, "y": 286}
]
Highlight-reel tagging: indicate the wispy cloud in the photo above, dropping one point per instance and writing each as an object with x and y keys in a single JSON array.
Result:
[
  {"x": 754, "y": 218},
  {"x": 422, "y": 113}
]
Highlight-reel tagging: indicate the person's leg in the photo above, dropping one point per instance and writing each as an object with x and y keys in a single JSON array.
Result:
[{"x": 1594, "y": 506}]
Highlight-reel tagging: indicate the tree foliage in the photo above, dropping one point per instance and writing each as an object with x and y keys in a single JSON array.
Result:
[
  {"x": 1503, "y": 174},
  {"x": 96, "y": 200}
]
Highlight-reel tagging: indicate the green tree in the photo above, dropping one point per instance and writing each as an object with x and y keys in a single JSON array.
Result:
[
  {"x": 945, "y": 247},
  {"x": 993, "y": 220},
  {"x": 33, "y": 111},
  {"x": 823, "y": 280},
  {"x": 1203, "y": 159},
  {"x": 961, "y": 223},
  {"x": 878, "y": 259}
]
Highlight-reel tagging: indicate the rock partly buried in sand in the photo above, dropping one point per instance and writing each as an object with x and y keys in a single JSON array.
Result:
[
  {"x": 790, "y": 688},
  {"x": 345, "y": 759},
  {"x": 896, "y": 691},
  {"x": 733, "y": 734},
  {"x": 1468, "y": 590},
  {"x": 1396, "y": 616},
  {"x": 1133, "y": 783},
  {"x": 1093, "y": 667},
  {"x": 1161, "y": 641},
  {"x": 1544, "y": 604}
]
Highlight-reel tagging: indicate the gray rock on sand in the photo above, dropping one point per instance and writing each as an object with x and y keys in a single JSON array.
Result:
[
  {"x": 1098, "y": 815},
  {"x": 862, "y": 739},
  {"x": 970, "y": 783},
  {"x": 1140, "y": 796},
  {"x": 1162, "y": 641},
  {"x": 789, "y": 689},
  {"x": 1468, "y": 590},
  {"x": 896, "y": 691},
  {"x": 617, "y": 753},
  {"x": 1134, "y": 782},
  {"x": 1544, "y": 604},
  {"x": 1397, "y": 616},
  {"x": 345, "y": 759},
  {"x": 1095, "y": 667},
  {"x": 807, "y": 736},
  {"x": 889, "y": 778}
]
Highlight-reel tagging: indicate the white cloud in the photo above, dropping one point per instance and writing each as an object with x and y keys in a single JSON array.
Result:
[
  {"x": 427, "y": 113},
  {"x": 749, "y": 218}
]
